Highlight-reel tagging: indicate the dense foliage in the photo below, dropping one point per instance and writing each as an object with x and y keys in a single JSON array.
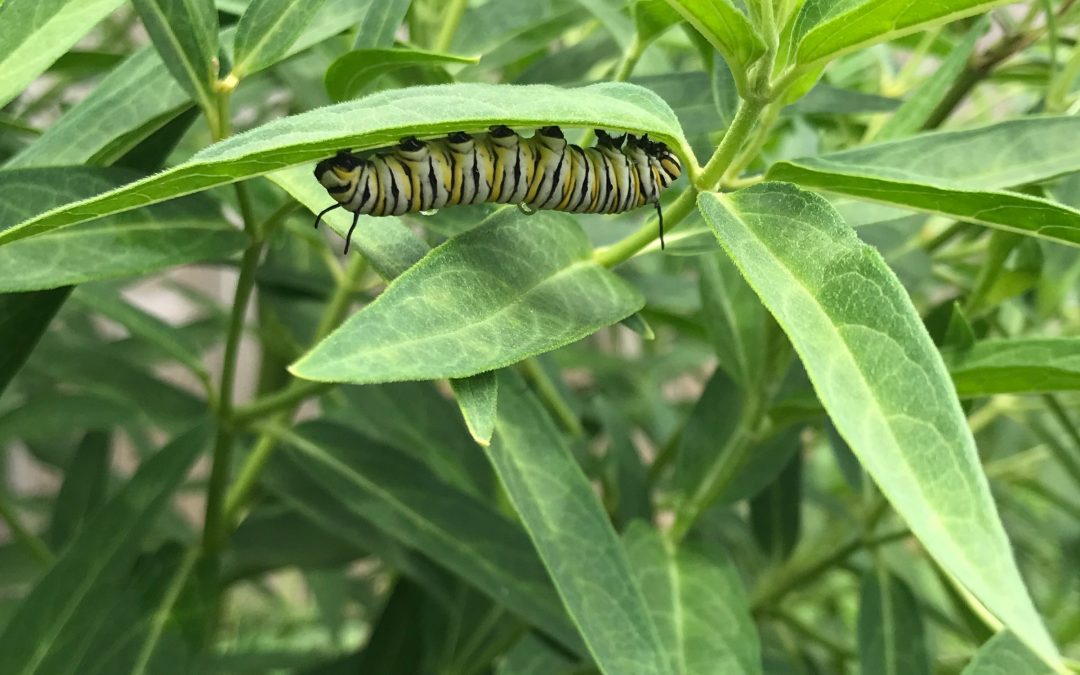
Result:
[{"x": 832, "y": 427}]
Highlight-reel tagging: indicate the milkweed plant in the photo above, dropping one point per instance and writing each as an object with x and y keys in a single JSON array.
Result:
[{"x": 821, "y": 418}]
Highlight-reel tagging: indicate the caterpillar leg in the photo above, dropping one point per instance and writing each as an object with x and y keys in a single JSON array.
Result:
[
  {"x": 324, "y": 212},
  {"x": 348, "y": 237},
  {"x": 660, "y": 215}
]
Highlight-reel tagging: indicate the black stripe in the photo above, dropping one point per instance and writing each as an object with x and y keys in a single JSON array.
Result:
[
  {"x": 475, "y": 175},
  {"x": 555, "y": 177},
  {"x": 432, "y": 181},
  {"x": 408, "y": 177},
  {"x": 603, "y": 206},
  {"x": 367, "y": 194},
  {"x": 453, "y": 175},
  {"x": 517, "y": 169},
  {"x": 536, "y": 169},
  {"x": 393, "y": 189},
  {"x": 338, "y": 189}
]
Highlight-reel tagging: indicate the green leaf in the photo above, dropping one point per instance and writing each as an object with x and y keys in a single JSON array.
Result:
[
  {"x": 572, "y": 533},
  {"x": 86, "y": 479},
  {"x": 185, "y": 34},
  {"x": 56, "y": 626},
  {"x": 140, "y": 242},
  {"x": 925, "y": 98},
  {"x": 959, "y": 174},
  {"x": 775, "y": 512},
  {"x": 698, "y": 603},
  {"x": 825, "y": 29},
  {"x": 1004, "y": 654},
  {"x": 407, "y": 501},
  {"x": 353, "y": 73},
  {"x": 1015, "y": 366},
  {"x": 118, "y": 114},
  {"x": 890, "y": 627},
  {"x": 34, "y": 33},
  {"x": 533, "y": 656},
  {"x": 652, "y": 18},
  {"x": 377, "y": 121},
  {"x": 881, "y": 380},
  {"x": 708, "y": 432},
  {"x": 610, "y": 14},
  {"x": 509, "y": 289},
  {"x": 478, "y": 398},
  {"x": 23, "y": 320},
  {"x": 266, "y": 31},
  {"x": 734, "y": 319},
  {"x": 726, "y": 28},
  {"x": 379, "y": 22}
]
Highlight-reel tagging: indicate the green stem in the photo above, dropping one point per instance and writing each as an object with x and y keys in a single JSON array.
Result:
[
  {"x": 450, "y": 25},
  {"x": 629, "y": 60},
  {"x": 997, "y": 250},
  {"x": 549, "y": 394},
  {"x": 286, "y": 400},
  {"x": 35, "y": 546},
  {"x": 164, "y": 610},
  {"x": 707, "y": 179},
  {"x": 1062, "y": 82}
]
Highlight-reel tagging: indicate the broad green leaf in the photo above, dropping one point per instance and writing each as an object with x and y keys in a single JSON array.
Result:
[
  {"x": 185, "y": 34},
  {"x": 712, "y": 424},
  {"x": 925, "y": 98},
  {"x": 698, "y": 604},
  {"x": 55, "y": 629},
  {"x": 1004, "y": 654},
  {"x": 775, "y": 516},
  {"x": 23, "y": 319},
  {"x": 512, "y": 288},
  {"x": 825, "y": 99},
  {"x": 376, "y": 121},
  {"x": 630, "y": 476},
  {"x": 1015, "y": 366},
  {"x": 573, "y": 535},
  {"x": 267, "y": 29},
  {"x": 127, "y": 244},
  {"x": 610, "y": 13},
  {"x": 532, "y": 656},
  {"x": 726, "y": 28},
  {"x": 407, "y": 501},
  {"x": 881, "y": 380},
  {"x": 959, "y": 174},
  {"x": 825, "y": 29},
  {"x": 734, "y": 319},
  {"x": 86, "y": 479},
  {"x": 478, "y": 398},
  {"x": 118, "y": 114},
  {"x": 890, "y": 627},
  {"x": 34, "y": 33},
  {"x": 379, "y": 22},
  {"x": 386, "y": 243},
  {"x": 353, "y": 73}
]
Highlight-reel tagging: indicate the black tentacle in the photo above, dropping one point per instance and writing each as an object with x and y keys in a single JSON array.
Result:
[
  {"x": 660, "y": 215},
  {"x": 348, "y": 237},
  {"x": 324, "y": 212}
]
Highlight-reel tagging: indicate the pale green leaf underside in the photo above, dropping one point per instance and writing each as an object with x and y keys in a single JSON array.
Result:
[
  {"x": 883, "y": 383},
  {"x": 478, "y": 398},
  {"x": 1019, "y": 365},
  {"x": 826, "y": 29},
  {"x": 513, "y": 287},
  {"x": 698, "y": 604},
  {"x": 376, "y": 121},
  {"x": 573, "y": 535},
  {"x": 34, "y": 33},
  {"x": 960, "y": 174}
]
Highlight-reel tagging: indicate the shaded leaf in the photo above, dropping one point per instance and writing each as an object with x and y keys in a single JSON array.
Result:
[
  {"x": 698, "y": 604},
  {"x": 23, "y": 320},
  {"x": 185, "y": 34},
  {"x": 1004, "y": 654},
  {"x": 489, "y": 298},
  {"x": 86, "y": 479},
  {"x": 379, "y": 22},
  {"x": 726, "y": 28},
  {"x": 266, "y": 31},
  {"x": 1015, "y": 366},
  {"x": 775, "y": 516},
  {"x": 878, "y": 375},
  {"x": 652, "y": 18},
  {"x": 353, "y": 73},
  {"x": 890, "y": 627},
  {"x": 572, "y": 533}
]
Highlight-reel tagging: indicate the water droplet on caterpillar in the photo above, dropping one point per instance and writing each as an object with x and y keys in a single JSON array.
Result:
[
  {"x": 429, "y": 212},
  {"x": 524, "y": 208}
]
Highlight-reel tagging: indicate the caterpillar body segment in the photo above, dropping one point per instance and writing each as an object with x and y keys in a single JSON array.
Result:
[{"x": 543, "y": 171}]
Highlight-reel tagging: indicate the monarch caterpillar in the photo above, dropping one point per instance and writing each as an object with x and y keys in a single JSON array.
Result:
[{"x": 540, "y": 172}]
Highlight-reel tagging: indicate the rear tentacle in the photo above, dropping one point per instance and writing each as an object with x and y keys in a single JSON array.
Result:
[
  {"x": 324, "y": 212},
  {"x": 348, "y": 237}
]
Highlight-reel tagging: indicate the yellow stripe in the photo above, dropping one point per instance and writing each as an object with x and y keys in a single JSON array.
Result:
[
  {"x": 600, "y": 159},
  {"x": 568, "y": 190}
]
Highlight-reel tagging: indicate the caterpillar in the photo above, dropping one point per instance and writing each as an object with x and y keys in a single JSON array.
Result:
[{"x": 540, "y": 172}]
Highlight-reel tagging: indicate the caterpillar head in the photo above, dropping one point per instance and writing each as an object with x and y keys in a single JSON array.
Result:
[
  {"x": 340, "y": 175},
  {"x": 669, "y": 161}
]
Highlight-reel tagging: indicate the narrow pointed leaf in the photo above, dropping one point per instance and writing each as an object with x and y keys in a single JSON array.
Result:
[
  {"x": 478, "y": 398},
  {"x": 23, "y": 320},
  {"x": 267, "y": 29},
  {"x": 85, "y": 480},
  {"x": 698, "y": 603},
  {"x": 883, "y": 383},
  {"x": 960, "y": 174},
  {"x": 58, "y": 621},
  {"x": 725, "y": 27},
  {"x": 379, "y": 22},
  {"x": 891, "y": 638},
  {"x": 33, "y": 34},
  {"x": 514, "y": 287},
  {"x": 376, "y": 121},
  {"x": 1004, "y": 654},
  {"x": 572, "y": 533},
  {"x": 825, "y": 29},
  {"x": 351, "y": 74},
  {"x": 404, "y": 499},
  {"x": 185, "y": 33},
  {"x": 1015, "y": 366}
]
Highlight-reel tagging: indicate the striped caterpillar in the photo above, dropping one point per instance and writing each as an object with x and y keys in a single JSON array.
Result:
[{"x": 540, "y": 172}]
